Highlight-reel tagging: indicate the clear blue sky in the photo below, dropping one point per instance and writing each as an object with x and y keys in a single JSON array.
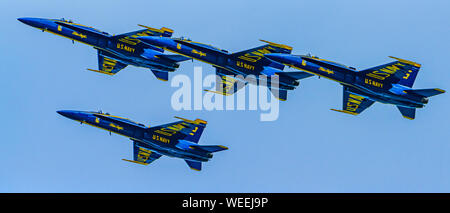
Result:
[{"x": 308, "y": 149}]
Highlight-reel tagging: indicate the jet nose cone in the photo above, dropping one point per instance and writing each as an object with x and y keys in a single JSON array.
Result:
[
  {"x": 34, "y": 22},
  {"x": 28, "y": 21},
  {"x": 24, "y": 20},
  {"x": 68, "y": 114}
]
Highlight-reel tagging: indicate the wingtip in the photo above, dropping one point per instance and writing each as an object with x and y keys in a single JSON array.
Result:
[
  {"x": 163, "y": 29},
  {"x": 281, "y": 99},
  {"x": 150, "y": 28},
  {"x": 223, "y": 147},
  {"x": 344, "y": 111},
  {"x": 406, "y": 61},
  {"x": 167, "y": 29},
  {"x": 197, "y": 121},
  {"x": 132, "y": 161},
  {"x": 440, "y": 90},
  {"x": 217, "y": 92},
  {"x": 161, "y": 79},
  {"x": 408, "y": 118},
  {"x": 277, "y": 45},
  {"x": 201, "y": 121},
  {"x": 99, "y": 71}
]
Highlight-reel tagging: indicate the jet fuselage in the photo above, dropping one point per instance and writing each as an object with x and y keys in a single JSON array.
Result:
[
  {"x": 128, "y": 51},
  {"x": 254, "y": 63},
  {"x": 370, "y": 88},
  {"x": 138, "y": 132}
]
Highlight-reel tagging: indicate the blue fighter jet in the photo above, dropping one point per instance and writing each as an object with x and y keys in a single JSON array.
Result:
[
  {"x": 115, "y": 52},
  {"x": 233, "y": 68},
  {"x": 389, "y": 83},
  {"x": 177, "y": 139}
]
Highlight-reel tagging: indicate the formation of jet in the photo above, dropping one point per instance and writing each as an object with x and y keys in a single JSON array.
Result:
[
  {"x": 177, "y": 139},
  {"x": 115, "y": 52},
  {"x": 231, "y": 65},
  {"x": 389, "y": 83}
]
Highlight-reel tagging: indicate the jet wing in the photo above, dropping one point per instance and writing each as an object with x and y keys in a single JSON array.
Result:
[
  {"x": 408, "y": 113},
  {"x": 107, "y": 65},
  {"x": 401, "y": 71},
  {"x": 228, "y": 85},
  {"x": 181, "y": 130},
  {"x": 196, "y": 132},
  {"x": 354, "y": 104},
  {"x": 142, "y": 155}
]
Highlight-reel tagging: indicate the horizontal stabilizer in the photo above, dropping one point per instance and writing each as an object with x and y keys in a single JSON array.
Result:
[
  {"x": 279, "y": 94},
  {"x": 295, "y": 75},
  {"x": 107, "y": 65},
  {"x": 409, "y": 113},
  {"x": 228, "y": 85},
  {"x": 212, "y": 148},
  {"x": 426, "y": 92},
  {"x": 353, "y": 104},
  {"x": 174, "y": 58},
  {"x": 163, "y": 76},
  {"x": 142, "y": 155},
  {"x": 197, "y": 166}
]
